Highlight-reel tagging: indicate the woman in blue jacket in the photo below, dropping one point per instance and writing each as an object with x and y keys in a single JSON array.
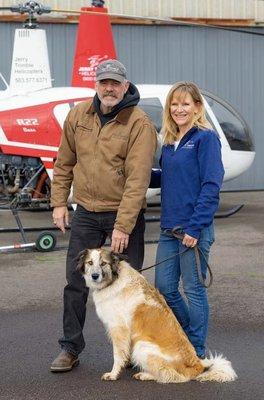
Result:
[{"x": 191, "y": 176}]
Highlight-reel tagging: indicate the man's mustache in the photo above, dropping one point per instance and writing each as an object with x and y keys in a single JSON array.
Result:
[{"x": 109, "y": 94}]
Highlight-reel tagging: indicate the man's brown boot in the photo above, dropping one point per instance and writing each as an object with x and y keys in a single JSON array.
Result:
[{"x": 64, "y": 362}]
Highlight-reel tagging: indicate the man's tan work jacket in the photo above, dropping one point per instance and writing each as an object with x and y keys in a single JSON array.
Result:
[{"x": 108, "y": 166}]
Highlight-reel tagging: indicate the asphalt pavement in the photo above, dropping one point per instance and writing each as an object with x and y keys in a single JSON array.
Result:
[{"x": 31, "y": 287}]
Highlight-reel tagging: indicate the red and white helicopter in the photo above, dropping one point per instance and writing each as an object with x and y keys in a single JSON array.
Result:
[{"x": 32, "y": 112}]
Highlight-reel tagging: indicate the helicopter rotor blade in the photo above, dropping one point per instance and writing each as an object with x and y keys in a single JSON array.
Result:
[
  {"x": 151, "y": 20},
  {"x": 160, "y": 20}
]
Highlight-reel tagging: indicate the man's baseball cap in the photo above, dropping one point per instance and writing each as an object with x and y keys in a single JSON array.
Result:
[{"x": 111, "y": 69}]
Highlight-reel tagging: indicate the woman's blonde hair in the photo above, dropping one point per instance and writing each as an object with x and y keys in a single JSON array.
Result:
[{"x": 169, "y": 126}]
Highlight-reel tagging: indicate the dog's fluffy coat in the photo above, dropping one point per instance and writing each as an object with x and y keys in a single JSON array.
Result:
[{"x": 142, "y": 327}]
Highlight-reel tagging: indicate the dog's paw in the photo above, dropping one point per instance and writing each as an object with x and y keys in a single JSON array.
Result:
[
  {"x": 143, "y": 376},
  {"x": 108, "y": 376}
]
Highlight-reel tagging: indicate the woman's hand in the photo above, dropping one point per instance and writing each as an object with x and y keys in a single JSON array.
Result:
[{"x": 189, "y": 241}]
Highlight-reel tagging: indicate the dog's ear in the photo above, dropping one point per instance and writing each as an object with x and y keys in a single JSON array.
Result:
[
  {"x": 116, "y": 258},
  {"x": 80, "y": 260}
]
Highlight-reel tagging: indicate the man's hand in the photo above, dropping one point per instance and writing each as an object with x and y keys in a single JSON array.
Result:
[
  {"x": 61, "y": 217},
  {"x": 119, "y": 241},
  {"x": 189, "y": 241}
]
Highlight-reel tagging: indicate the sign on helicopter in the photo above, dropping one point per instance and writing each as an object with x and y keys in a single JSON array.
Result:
[{"x": 32, "y": 112}]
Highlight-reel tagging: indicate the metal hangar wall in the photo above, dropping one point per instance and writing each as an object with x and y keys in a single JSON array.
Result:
[{"x": 229, "y": 64}]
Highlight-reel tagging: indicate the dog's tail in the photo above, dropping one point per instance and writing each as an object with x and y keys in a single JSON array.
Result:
[{"x": 217, "y": 368}]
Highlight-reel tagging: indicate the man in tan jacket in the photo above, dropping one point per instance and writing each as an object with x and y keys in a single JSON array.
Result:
[{"x": 106, "y": 153}]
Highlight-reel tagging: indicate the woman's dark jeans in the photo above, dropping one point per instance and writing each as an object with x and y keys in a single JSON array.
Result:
[{"x": 90, "y": 230}]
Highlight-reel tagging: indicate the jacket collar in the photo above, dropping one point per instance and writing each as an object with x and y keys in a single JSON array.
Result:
[
  {"x": 122, "y": 116},
  {"x": 188, "y": 135}
]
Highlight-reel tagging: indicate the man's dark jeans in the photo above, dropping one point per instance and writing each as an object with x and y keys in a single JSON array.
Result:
[{"x": 90, "y": 230}]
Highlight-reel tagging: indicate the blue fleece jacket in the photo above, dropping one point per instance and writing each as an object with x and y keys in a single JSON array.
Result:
[{"x": 190, "y": 179}]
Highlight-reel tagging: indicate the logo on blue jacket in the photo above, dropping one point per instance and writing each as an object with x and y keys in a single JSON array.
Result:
[{"x": 188, "y": 145}]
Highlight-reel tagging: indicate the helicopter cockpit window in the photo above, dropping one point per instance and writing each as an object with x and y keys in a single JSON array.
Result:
[
  {"x": 153, "y": 108},
  {"x": 233, "y": 125}
]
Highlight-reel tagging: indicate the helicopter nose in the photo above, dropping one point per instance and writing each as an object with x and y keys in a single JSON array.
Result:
[{"x": 95, "y": 276}]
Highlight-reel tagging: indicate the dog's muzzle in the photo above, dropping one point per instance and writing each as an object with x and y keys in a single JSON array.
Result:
[{"x": 95, "y": 276}]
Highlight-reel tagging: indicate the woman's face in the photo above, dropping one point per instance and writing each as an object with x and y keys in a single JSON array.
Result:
[{"x": 183, "y": 110}]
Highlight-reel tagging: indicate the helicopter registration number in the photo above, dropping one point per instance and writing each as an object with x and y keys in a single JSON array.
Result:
[{"x": 27, "y": 121}]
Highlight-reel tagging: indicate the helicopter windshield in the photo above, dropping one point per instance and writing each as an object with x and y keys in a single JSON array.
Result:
[
  {"x": 236, "y": 130},
  {"x": 153, "y": 108}
]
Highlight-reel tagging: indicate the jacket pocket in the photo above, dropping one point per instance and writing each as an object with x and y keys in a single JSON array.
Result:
[
  {"x": 115, "y": 147},
  {"x": 83, "y": 128}
]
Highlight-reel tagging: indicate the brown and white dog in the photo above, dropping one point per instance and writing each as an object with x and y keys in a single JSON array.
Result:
[{"x": 142, "y": 327}]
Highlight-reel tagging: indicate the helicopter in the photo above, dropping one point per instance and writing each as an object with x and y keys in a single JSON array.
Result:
[{"x": 32, "y": 112}]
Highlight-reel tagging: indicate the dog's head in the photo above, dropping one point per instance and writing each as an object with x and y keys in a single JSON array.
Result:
[{"x": 99, "y": 267}]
